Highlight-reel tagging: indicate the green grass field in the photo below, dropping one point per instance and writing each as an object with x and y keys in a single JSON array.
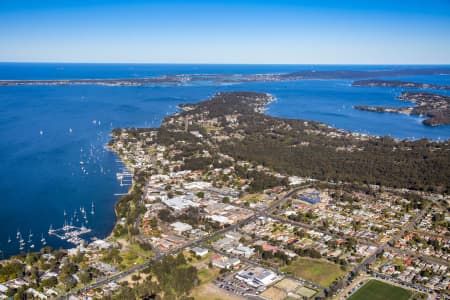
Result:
[
  {"x": 378, "y": 290},
  {"x": 316, "y": 270}
]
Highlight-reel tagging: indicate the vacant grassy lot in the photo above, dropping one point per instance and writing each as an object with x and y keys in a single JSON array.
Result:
[
  {"x": 209, "y": 291},
  {"x": 306, "y": 292},
  {"x": 374, "y": 290},
  {"x": 253, "y": 198},
  {"x": 273, "y": 293},
  {"x": 318, "y": 271},
  {"x": 208, "y": 275},
  {"x": 288, "y": 285}
]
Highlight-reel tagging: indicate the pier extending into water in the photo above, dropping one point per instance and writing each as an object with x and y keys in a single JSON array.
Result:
[
  {"x": 125, "y": 177},
  {"x": 70, "y": 233}
]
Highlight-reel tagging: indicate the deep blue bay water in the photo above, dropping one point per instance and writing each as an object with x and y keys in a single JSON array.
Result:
[{"x": 45, "y": 131}]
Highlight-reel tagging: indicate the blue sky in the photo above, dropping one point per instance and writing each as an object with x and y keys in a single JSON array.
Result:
[{"x": 281, "y": 31}]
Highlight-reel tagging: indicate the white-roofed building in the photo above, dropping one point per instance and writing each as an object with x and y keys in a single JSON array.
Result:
[
  {"x": 200, "y": 251},
  {"x": 197, "y": 185},
  {"x": 180, "y": 202},
  {"x": 220, "y": 219},
  {"x": 257, "y": 276},
  {"x": 181, "y": 227},
  {"x": 224, "y": 262},
  {"x": 101, "y": 244}
]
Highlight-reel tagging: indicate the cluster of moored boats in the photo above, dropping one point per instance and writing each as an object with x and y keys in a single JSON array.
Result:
[
  {"x": 78, "y": 216},
  {"x": 70, "y": 232},
  {"x": 28, "y": 242},
  {"x": 76, "y": 223}
]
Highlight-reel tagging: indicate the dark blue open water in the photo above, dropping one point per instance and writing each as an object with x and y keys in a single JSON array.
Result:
[{"x": 41, "y": 173}]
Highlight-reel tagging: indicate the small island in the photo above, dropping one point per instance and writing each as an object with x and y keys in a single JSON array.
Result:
[
  {"x": 436, "y": 107},
  {"x": 399, "y": 84}
]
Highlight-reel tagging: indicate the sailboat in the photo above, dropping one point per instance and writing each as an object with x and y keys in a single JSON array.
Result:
[
  {"x": 21, "y": 242},
  {"x": 9, "y": 240}
]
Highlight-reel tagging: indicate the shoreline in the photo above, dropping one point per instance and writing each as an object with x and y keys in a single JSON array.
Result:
[
  {"x": 256, "y": 77},
  {"x": 262, "y": 109},
  {"x": 128, "y": 167},
  {"x": 191, "y": 148},
  {"x": 435, "y": 107}
]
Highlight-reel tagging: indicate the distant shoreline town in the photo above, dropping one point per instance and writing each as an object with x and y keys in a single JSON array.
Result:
[
  {"x": 436, "y": 107},
  {"x": 225, "y": 78}
]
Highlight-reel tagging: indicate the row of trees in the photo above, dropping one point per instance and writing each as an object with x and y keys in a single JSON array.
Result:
[
  {"x": 175, "y": 278},
  {"x": 420, "y": 165},
  {"x": 259, "y": 180},
  {"x": 303, "y": 148}
]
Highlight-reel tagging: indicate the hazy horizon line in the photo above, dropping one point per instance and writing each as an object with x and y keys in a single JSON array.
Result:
[{"x": 214, "y": 63}]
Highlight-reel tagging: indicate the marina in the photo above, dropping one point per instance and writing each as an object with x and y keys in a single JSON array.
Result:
[
  {"x": 125, "y": 177},
  {"x": 73, "y": 230},
  {"x": 70, "y": 233}
]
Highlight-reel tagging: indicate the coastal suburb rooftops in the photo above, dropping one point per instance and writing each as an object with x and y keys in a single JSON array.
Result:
[
  {"x": 220, "y": 219},
  {"x": 180, "y": 202},
  {"x": 257, "y": 276},
  {"x": 200, "y": 251},
  {"x": 198, "y": 185},
  {"x": 181, "y": 227}
]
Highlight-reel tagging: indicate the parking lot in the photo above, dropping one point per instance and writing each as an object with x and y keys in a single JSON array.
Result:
[{"x": 231, "y": 284}]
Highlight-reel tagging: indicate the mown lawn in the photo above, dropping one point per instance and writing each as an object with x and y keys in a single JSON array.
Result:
[
  {"x": 318, "y": 271},
  {"x": 378, "y": 290}
]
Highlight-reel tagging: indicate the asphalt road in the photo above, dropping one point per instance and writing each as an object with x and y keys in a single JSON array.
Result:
[
  {"x": 257, "y": 214},
  {"x": 145, "y": 265}
]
